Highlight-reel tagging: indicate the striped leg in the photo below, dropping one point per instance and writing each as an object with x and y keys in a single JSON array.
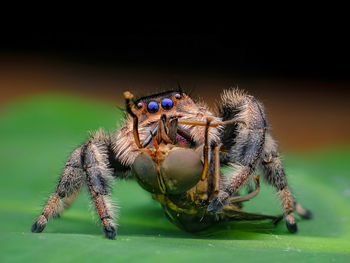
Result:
[
  {"x": 243, "y": 143},
  {"x": 98, "y": 176},
  {"x": 275, "y": 176},
  {"x": 67, "y": 189}
]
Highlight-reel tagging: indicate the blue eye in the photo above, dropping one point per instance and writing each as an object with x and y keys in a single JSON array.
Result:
[
  {"x": 152, "y": 107},
  {"x": 167, "y": 104}
]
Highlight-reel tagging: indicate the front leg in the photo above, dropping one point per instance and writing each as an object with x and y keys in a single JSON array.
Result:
[
  {"x": 88, "y": 164},
  {"x": 67, "y": 189},
  {"x": 243, "y": 142},
  {"x": 98, "y": 177}
]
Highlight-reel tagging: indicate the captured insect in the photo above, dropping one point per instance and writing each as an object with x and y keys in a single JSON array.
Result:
[{"x": 175, "y": 147}]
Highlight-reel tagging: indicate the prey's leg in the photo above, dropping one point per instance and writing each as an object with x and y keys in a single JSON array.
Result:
[
  {"x": 242, "y": 198},
  {"x": 206, "y": 150},
  {"x": 231, "y": 210},
  {"x": 216, "y": 181}
]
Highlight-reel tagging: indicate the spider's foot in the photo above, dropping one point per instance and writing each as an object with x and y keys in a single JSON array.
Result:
[
  {"x": 292, "y": 227},
  {"x": 291, "y": 224},
  {"x": 303, "y": 212},
  {"x": 39, "y": 225},
  {"x": 217, "y": 203},
  {"x": 307, "y": 214},
  {"x": 110, "y": 232}
]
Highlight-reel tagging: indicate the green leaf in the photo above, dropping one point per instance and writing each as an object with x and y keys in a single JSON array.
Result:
[{"x": 36, "y": 136}]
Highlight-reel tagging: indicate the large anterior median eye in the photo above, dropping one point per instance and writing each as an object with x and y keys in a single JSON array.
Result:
[
  {"x": 152, "y": 107},
  {"x": 167, "y": 104}
]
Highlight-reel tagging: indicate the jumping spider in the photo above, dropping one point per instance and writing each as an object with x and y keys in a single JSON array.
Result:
[{"x": 175, "y": 148}]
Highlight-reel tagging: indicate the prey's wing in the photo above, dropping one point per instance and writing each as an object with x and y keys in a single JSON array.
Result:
[{"x": 235, "y": 214}]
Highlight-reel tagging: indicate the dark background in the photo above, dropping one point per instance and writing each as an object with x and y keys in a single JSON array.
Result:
[
  {"x": 300, "y": 71},
  {"x": 307, "y": 50}
]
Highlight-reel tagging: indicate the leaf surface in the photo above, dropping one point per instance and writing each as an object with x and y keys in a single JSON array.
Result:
[{"x": 36, "y": 136}]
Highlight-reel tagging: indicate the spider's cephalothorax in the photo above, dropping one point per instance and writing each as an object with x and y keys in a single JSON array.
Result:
[{"x": 175, "y": 147}]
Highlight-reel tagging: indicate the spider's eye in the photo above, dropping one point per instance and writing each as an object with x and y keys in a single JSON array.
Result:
[
  {"x": 167, "y": 104},
  {"x": 139, "y": 105},
  {"x": 177, "y": 96},
  {"x": 152, "y": 107}
]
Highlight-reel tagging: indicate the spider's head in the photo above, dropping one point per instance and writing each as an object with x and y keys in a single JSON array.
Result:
[
  {"x": 157, "y": 167},
  {"x": 170, "y": 103}
]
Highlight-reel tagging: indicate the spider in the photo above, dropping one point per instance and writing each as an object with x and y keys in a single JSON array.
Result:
[{"x": 175, "y": 147}]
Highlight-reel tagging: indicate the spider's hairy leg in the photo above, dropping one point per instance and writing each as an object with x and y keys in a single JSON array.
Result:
[
  {"x": 68, "y": 187},
  {"x": 243, "y": 143},
  {"x": 98, "y": 176},
  {"x": 274, "y": 174},
  {"x": 302, "y": 211}
]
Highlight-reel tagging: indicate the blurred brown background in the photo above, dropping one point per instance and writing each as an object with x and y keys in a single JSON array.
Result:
[{"x": 302, "y": 76}]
